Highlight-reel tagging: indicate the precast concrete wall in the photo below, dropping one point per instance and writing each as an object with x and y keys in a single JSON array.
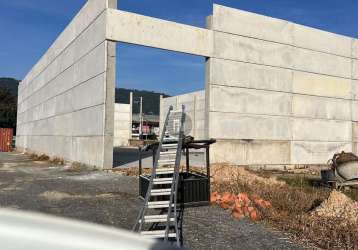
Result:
[
  {"x": 195, "y": 110},
  {"x": 276, "y": 93},
  {"x": 279, "y": 92},
  {"x": 122, "y": 124},
  {"x": 66, "y": 101}
]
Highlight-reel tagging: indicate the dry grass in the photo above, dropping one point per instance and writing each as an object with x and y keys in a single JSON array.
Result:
[
  {"x": 292, "y": 204},
  {"x": 42, "y": 157},
  {"x": 132, "y": 171},
  {"x": 57, "y": 161},
  {"x": 78, "y": 167}
]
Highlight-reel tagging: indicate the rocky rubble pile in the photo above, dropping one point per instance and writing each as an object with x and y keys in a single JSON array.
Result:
[
  {"x": 338, "y": 205},
  {"x": 241, "y": 205}
]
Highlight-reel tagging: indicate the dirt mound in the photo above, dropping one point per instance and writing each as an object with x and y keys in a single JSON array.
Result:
[
  {"x": 232, "y": 174},
  {"x": 338, "y": 205}
]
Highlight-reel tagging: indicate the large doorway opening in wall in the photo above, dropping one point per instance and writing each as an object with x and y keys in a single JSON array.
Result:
[{"x": 143, "y": 75}]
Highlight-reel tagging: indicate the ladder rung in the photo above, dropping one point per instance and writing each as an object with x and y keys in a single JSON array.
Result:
[
  {"x": 156, "y": 218},
  {"x": 171, "y": 138},
  {"x": 159, "y": 192},
  {"x": 164, "y": 171},
  {"x": 162, "y": 180},
  {"x": 161, "y": 169},
  {"x": 174, "y": 152},
  {"x": 170, "y": 145},
  {"x": 166, "y": 161},
  {"x": 157, "y": 234},
  {"x": 158, "y": 204}
]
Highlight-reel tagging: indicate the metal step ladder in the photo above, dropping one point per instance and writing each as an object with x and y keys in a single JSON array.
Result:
[{"x": 163, "y": 185}]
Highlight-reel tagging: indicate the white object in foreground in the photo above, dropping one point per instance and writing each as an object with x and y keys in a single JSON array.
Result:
[{"x": 34, "y": 231}]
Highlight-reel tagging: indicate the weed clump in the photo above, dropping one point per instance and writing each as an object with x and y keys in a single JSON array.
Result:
[{"x": 41, "y": 157}]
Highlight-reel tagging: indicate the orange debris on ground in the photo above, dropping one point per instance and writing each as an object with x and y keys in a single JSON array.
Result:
[{"x": 241, "y": 205}]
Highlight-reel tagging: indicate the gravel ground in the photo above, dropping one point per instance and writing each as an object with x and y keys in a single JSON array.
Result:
[{"x": 111, "y": 199}]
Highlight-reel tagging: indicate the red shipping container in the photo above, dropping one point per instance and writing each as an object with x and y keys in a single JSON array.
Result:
[{"x": 6, "y": 135}]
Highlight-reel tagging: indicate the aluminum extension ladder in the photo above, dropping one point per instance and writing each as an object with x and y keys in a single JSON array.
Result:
[{"x": 163, "y": 186}]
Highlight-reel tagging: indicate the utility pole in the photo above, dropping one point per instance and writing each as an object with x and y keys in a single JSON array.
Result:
[
  {"x": 141, "y": 118},
  {"x": 130, "y": 115}
]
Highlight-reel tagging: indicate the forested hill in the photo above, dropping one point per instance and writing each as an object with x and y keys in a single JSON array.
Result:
[
  {"x": 9, "y": 83},
  {"x": 150, "y": 99},
  {"x": 8, "y": 102}
]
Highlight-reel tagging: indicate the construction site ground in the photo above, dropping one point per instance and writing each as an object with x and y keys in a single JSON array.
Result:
[{"x": 111, "y": 198}]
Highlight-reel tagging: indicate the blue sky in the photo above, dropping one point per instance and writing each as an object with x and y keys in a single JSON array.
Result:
[{"x": 28, "y": 27}]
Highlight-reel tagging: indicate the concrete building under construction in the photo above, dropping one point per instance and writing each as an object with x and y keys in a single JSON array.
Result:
[{"x": 276, "y": 92}]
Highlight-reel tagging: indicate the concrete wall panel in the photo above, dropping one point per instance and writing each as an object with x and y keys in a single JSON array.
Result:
[
  {"x": 137, "y": 29},
  {"x": 251, "y": 152},
  {"x": 249, "y": 101},
  {"x": 64, "y": 100},
  {"x": 245, "y": 49},
  {"x": 89, "y": 12},
  {"x": 355, "y": 69},
  {"x": 122, "y": 124},
  {"x": 247, "y": 75},
  {"x": 321, "y": 85},
  {"x": 321, "y": 63},
  {"x": 319, "y": 40},
  {"x": 321, "y": 107},
  {"x": 316, "y": 152},
  {"x": 355, "y": 48},
  {"x": 194, "y": 107},
  {"x": 321, "y": 130},
  {"x": 240, "y": 126},
  {"x": 241, "y": 22},
  {"x": 355, "y": 131},
  {"x": 354, "y": 110}
]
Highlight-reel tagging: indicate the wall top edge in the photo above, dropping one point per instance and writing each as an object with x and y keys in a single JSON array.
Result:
[{"x": 216, "y": 7}]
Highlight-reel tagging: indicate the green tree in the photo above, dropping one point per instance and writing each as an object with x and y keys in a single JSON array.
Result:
[{"x": 8, "y": 109}]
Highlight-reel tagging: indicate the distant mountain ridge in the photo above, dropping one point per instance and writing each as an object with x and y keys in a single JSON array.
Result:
[
  {"x": 8, "y": 102},
  {"x": 151, "y": 100},
  {"x": 9, "y": 83}
]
